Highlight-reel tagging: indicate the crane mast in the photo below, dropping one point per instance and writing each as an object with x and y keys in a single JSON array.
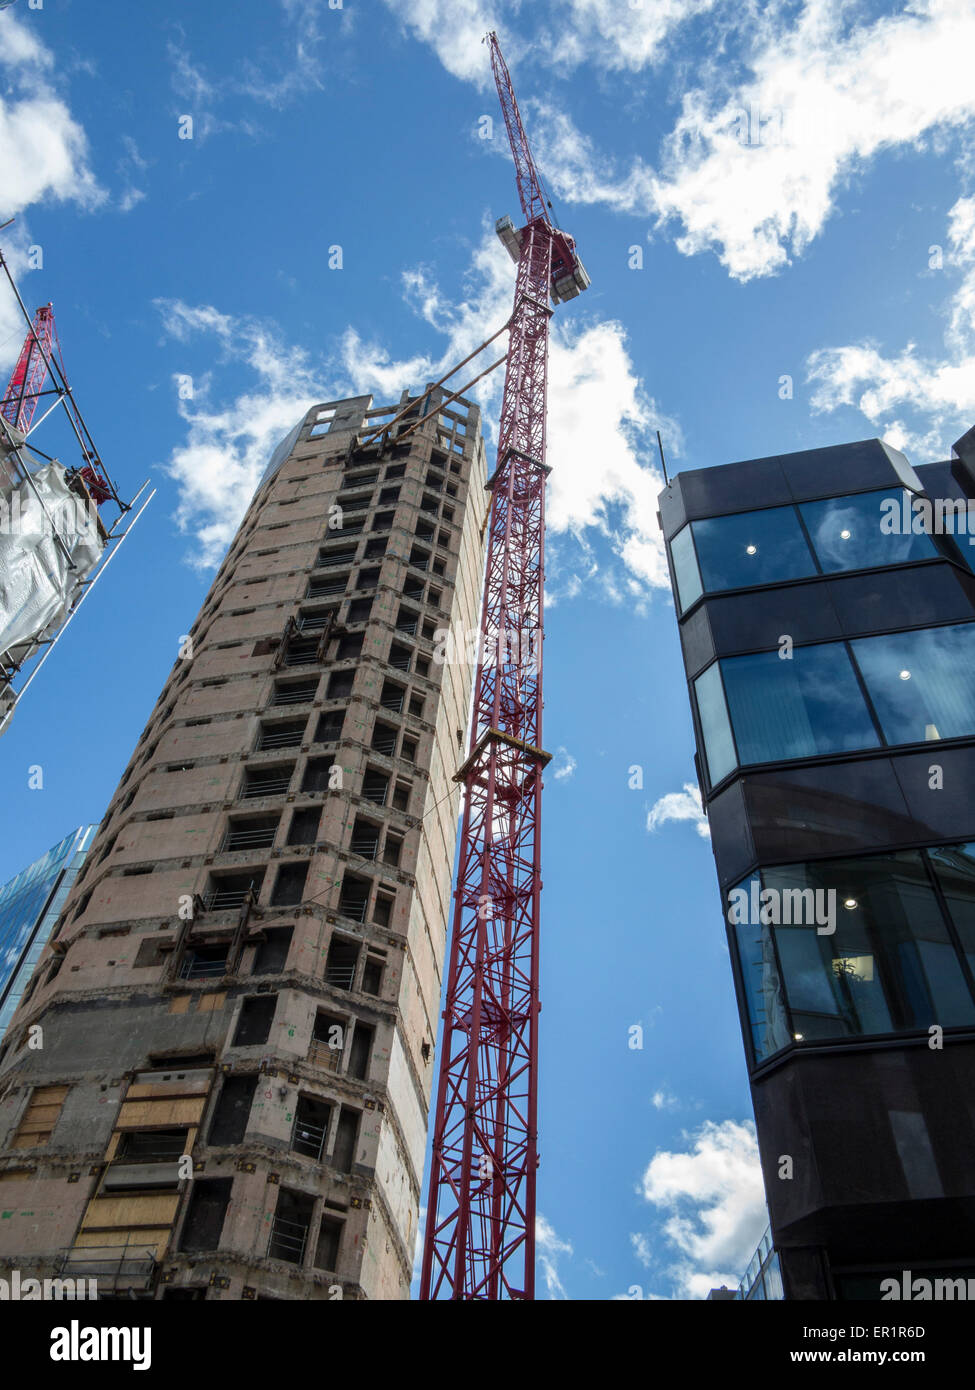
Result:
[{"x": 480, "y": 1231}]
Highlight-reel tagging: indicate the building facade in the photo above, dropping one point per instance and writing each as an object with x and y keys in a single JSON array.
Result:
[
  {"x": 29, "y": 907},
  {"x": 827, "y": 619},
  {"x": 239, "y": 1002}
]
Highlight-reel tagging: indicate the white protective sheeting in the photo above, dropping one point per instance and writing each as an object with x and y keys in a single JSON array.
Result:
[{"x": 38, "y": 586}]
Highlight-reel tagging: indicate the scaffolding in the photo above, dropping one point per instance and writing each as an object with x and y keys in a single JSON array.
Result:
[{"x": 60, "y": 526}]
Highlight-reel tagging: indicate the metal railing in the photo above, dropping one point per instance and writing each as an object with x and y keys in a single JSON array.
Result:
[
  {"x": 220, "y": 899},
  {"x": 261, "y": 838},
  {"x": 375, "y": 791},
  {"x": 264, "y": 786},
  {"x": 367, "y": 846},
  {"x": 191, "y": 968},
  {"x": 393, "y": 702},
  {"x": 339, "y": 557},
  {"x": 384, "y": 744},
  {"x": 307, "y": 1138},
  {"x": 340, "y": 976},
  {"x": 353, "y": 906},
  {"x": 301, "y": 656},
  {"x": 287, "y": 1240},
  {"x": 300, "y": 695},
  {"x": 322, "y": 1054},
  {"x": 314, "y": 622},
  {"x": 125, "y": 1266},
  {"x": 150, "y": 1146},
  {"x": 280, "y": 738}
]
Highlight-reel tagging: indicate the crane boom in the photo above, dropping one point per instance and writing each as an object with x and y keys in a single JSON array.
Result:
[
  {"x": 529, "y": 184},
  {"x": 480, "y": 1232}
]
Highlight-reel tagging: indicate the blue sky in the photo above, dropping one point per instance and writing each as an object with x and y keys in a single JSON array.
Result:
[{"x": 796, "y": 180}]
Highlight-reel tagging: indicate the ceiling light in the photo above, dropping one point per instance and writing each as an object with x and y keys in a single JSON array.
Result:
[
  {"x": 845, "y": 535},
  {"x": 850, "y": 903},
  {"x": 798, "y": 1037},
  {"x": 751, "y": 549},
  {"x": 905, "y": 675}
]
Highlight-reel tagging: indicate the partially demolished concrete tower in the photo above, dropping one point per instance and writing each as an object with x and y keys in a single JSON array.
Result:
[{"x": 217, "y": 1082}]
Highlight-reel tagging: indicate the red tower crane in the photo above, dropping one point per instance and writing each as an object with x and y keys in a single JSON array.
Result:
[
  {"x": 39, "y": 357},
  {"x": 480, "y": 1231},
  {"x": 30, "y": 372}
]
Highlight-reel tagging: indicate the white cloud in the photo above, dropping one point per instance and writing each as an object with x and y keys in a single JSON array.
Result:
[
  {"x": 663, "y": 1100},
  {"x": 454, "y": 29},
  {"x": 714, "y": 1202},
  {"x": 45, "y": 150},
  {"x": 829, "y": 95},
  {"x": 228, "y": 446},
  {"x": 566, "y": 767},
  {"x": 613, "y": 35},
  {"x": 549, "y": 1248},
  {"x": 684, "y": 805},
  {"x": 938, "y": 393},
  {"x": 45, "y": 158}
]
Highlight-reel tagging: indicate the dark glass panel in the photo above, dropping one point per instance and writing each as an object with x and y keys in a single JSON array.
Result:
[
  {"x": 795, "y": 708},
  {"x": 762, "y": 547}
]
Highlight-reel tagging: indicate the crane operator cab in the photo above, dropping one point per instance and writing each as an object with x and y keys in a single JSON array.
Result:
[{"x": 569, "y": 277}]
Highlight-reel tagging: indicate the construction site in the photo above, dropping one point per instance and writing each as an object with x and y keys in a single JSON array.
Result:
[
  {"x": 270, "y": 1027},
  {"x": 239, "y": 1038}
]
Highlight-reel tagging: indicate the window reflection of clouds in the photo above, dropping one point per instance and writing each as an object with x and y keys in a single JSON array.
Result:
[
  {"x": 846, "y": 532},
  {"x": 761, "y": 547},
  {"x": 922, "y": 683}
]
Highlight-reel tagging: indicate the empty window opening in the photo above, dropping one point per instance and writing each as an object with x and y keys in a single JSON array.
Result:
[
  {"x": 233, "y": 1109},
  {"x": 266, "y": 781},
  {"x": 343, "y": 956},
  {"x": 253, "y": 833},
  {"x": 325, "y": 588},
  {"x": 254, "y": 1022},
  {"x": 345, "y": 1140},
  {"x": 289, "y": 886},
  {"x": 372, "y": 974},
  {"x": 316, "y": 776},
  {"x": 288, "y": 1238},
  {"x": 349, "y": 647},
  {"x": 280, "y": 735},
  {"x": 271, "y": 956},
  {"x": 392, "y": 696},
  {"x": 365, "y": 839},
  {"x": 329, "y": 1243},
  {"x": 340, "y": 685},
  {"x": 354, "y": 897},
  {"x": 375, "y": 786},
  {"x": 295, "y": 693},
  {"x": 359, "y": 610},
  {"x": 382, "y": 912},
  {"x": 204, "y": 962},
  {"x": 151, "y": 1146},
  {"x": 304, "y": 826},
  {"x": 310, "y": 1128},
  {"x": 330, "y": 726},
  {"x": 208, "y": 1204},
  {"x": 362, "y": 1040},
  {"x": 301, "y": 651},
  {"x": 327, "y": 1041},
  {"x": 231, "y": 890},
  {"x": 384, "y": 738}
]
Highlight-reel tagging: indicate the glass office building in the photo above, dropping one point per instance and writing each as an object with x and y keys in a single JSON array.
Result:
[
  {"x": 29, "y": 906},
  {"x": 826, "y": 605}
]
